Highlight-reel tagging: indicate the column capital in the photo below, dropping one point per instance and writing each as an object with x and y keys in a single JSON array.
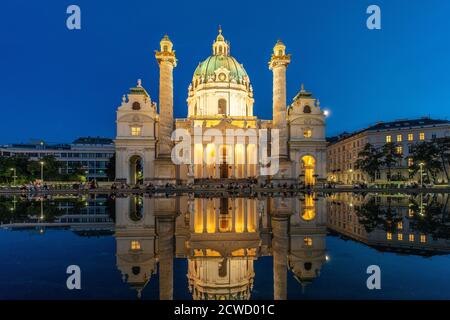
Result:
[
  {"x": 166, "y": 57},
  {"x": 277, "y": 61}
]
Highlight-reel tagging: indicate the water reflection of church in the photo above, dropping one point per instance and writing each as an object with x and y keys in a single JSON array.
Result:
[{"x": 221, "y": 238}]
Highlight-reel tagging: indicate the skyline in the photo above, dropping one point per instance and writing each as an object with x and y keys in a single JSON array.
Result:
[{"x": 68, "y": 84}]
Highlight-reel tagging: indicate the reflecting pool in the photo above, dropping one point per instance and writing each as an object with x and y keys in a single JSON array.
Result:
[{"x": 311, "y": 246}]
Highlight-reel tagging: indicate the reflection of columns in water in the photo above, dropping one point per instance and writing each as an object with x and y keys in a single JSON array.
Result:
[
  {"x": 280, "y": 250},
  {"x": 224, "y": 215},
  {"x": 165, "y": 252}
]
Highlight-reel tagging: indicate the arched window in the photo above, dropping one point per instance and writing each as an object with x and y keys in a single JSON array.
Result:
[
  {"x": 165, "y": 48},
  {"x": 307, "y": 109},
  {"x": 222, "y": 108}
]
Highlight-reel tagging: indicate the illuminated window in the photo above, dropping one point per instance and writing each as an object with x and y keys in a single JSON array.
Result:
[
  {"x": 389, "y": 236},
  {"x": 422, "y": 136},
  {"x": 410, "y": 162},
  {"x": 400, "y": 225},
  {"x": 400, "y": 236},
  {"x": 399, "y": 149},
  {"x": 410, "y": 136},
  {"x": 388, "y": 139},
  {"x": 423, "y": 238},
  {"x": 399, "y": 138},
  {"x": 135, "y": 245},
  {"x": 135, "y": 131},
  {"x": 222, "y": 107},
  {"x": 307, "y": 133},
  {"x": 411, "y": 237},
  {"x": 410, "y": 212},
  {"x": 308, "y": 241}
]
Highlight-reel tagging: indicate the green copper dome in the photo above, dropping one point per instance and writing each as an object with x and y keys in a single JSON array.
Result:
[{"x": 214, "y": 62}]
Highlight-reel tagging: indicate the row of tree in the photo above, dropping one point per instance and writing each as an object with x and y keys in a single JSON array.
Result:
[
  {"x": 434, "y": 155},
  {"x": 27, "y": 170}
]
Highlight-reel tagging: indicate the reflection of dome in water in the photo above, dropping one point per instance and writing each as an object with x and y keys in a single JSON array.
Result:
[{"x": 218, "y": 278}]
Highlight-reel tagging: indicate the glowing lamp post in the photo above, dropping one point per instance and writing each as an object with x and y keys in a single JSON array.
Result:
[
  {"x": 14, "y": 175},
  {"x": 42, "y": 170},
  {"x": 421, "y": 173}
]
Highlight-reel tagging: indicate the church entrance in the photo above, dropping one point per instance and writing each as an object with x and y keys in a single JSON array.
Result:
[
  {"x": 224, "y": 171},
  {"x": 223, "y": 164},
  {"x": 136, "y": 170}
]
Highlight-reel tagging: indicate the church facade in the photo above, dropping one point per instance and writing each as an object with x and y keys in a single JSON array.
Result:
[{"x": 221, "y": 138}]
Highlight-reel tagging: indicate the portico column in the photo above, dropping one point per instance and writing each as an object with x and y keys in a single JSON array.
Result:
[
  {"x": 233, "y": 215},
  {"x": 205, "y": 165},
  {"x": 204, "y": 219},
  {"x": 245, "y": 204},
  {"x": 245, "y": 161},
  {"x": 217, "y": 207},
  {"x": 217, "y": 169}
]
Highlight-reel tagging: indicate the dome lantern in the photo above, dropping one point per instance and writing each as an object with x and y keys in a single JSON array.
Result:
[{"x": 220, "y": 46}]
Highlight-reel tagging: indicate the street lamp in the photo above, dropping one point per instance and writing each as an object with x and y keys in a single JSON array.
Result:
[
  {"x": 42, "y": 171},
  {"x": 421, "y": 173},
  {"x": 14, "y": 175}
]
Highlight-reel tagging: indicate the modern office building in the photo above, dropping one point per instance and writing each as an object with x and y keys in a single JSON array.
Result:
[
  {"x": 92, "y": 154},
  {"x": 342, "y": 151}
]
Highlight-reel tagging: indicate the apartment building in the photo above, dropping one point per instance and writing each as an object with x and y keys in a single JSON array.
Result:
[{"x": 342, "y": 150}]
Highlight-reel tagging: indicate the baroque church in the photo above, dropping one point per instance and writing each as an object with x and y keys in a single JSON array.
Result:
[{"x": 220, "y": 100}]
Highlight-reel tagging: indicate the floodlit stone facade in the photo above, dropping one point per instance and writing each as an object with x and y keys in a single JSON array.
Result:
[{"x": 220, "y": 103}]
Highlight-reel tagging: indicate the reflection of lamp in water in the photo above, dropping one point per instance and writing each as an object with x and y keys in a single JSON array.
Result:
[
  {"x": 14, "y": 204},
  {"x": 42, "y": 209},
  {"x": 42, "y": 171},
  {"x": 421, "y": 205}
]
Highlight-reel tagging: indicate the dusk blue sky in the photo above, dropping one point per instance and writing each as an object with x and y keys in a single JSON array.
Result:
[{"x": 58, "y": 84}]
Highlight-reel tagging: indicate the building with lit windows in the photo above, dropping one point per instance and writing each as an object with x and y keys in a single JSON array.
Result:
[
  {"x": 342, "y": 151},
  {"x": 90, "y": 154},
  {"x": 220, "y": 99}
]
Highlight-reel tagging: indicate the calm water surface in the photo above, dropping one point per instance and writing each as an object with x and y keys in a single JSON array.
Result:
[{"x": 310, "y": 246}]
